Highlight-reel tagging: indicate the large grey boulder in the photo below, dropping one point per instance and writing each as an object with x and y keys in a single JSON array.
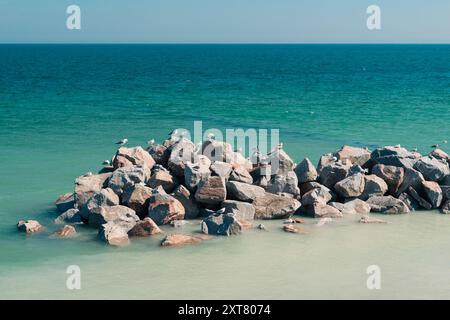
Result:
[
  {"x": 325, "y": 160},
  {"x": 125, "y": 177},
  {"x": 163, "y": 208},
  {"x": 241, "y": 210},
  {"x": 160, "y": 154},
  {"x": 306, "y": 171},
  {"x": 137, "y": 197},
  {"x": 261, "y": 175},
  {"x": 162, "y": 177},
  {"x": 387, "y": 205},
  {"x": 286, "y": 183},
  {"x": 225, "y": 224},
  {"x": 241, "y": 174},
  {"x": 420, "y": 200},
  {"x": 433, "y": 192},
  {"x": 393, "y": 176},
  {"x": 182, "y": 194},
  {"x": 272, "y": 206},
  {"x": 181, "y": 152},
  {"x": 356, "y": 155},
  {"x": 440, "y": 155},
  {"x": 373, "y": 186},
  {"x": 88, "y": 184},
  {"x": 211, "y": 191},
  {"x": 432, "y": 168},
  {"x": 280, "y": 162},
  {"x": 445, "y": 181},
  {"x": 320, "y": 194},
  {"x": 394, "y": 156},
  {"x": 411, "y": 178},
  {"x": 194, "y": 173},
  {"x": 103, "y": 198},
  {"x": 350, "y": 187},
  {"x": 128, "y": 157},
  {"x": 65, "y": 202},
  {"x": 333, "y": 173},
  {"x": 446, "y": 191},
  {"x": 244, "y": 192},
  {"x": 222, "y": 169},
  {"x": 409, "y": 201},
  {"x": 117, "y": 214}
]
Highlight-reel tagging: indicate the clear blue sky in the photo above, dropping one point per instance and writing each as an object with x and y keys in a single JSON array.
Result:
[{"x": 205, "y": 21}]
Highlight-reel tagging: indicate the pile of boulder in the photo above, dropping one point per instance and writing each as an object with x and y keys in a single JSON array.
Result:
[{"x": 168, "y": 183}]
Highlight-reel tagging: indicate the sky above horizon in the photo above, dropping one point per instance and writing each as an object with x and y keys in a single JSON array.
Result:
[{"x": 225, "y": 21}]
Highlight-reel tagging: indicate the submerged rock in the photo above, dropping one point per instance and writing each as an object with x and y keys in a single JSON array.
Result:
[
  {"x": 306, "y": 171},
  {"x": 225, "y": 224},
  {"x": 65, "y": 202},
  {"x": 144, "y": 228},
  {"x": 433, "y": 192},
  {"x": 367, "y": 219},
  {"x": 293, "y": 229},
  {"x": 352, "y": 186},
  {"x": 387, "y": 204},
  {"x": 128, "y": 157},
  {"x": 181, "y": 239},
  {"x": 29, "y": 226},
  {"x": 65, "y": 232},
  {"x": 272, "y": 206},
  {"x": 164, "y": 208},
  {"x": 244, "y": 192}
]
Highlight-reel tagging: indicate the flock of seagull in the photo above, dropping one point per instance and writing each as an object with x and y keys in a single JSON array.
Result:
[{"x": 256, "y": 154}]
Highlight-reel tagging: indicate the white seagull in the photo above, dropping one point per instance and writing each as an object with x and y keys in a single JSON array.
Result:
[
  {"x": 122, "y": 142},
  {"x": 106, "y": 162},
  {"x": 151, "y": 142}
]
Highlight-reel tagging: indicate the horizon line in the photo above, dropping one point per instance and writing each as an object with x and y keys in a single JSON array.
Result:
[{"x": 226, "y": 43}]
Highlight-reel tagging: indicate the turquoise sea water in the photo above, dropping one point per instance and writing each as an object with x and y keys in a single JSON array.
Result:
[{"x": 62, "y": 107}]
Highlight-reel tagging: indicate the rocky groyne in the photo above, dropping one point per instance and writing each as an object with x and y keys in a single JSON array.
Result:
[{"x": 172, "y": 182}]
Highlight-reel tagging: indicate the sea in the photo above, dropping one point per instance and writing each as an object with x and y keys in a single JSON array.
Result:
[{"x": 63, "y": 107}]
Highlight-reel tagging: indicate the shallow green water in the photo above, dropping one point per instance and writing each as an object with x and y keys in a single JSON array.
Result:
[{"x": 63, "y": 107}]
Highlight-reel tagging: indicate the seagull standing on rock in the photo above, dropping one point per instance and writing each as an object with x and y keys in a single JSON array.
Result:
[
  {"x": 435, "y": 146},
  {"x": 106, "y": 163},
  {"x": 151, "y": 142},
  {"x": 122, "y": 142}
]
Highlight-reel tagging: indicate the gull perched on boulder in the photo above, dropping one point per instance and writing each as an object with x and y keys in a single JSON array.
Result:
[
  {"x": 106, "y": 162},
  {"x": 122, "y": 142}
]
